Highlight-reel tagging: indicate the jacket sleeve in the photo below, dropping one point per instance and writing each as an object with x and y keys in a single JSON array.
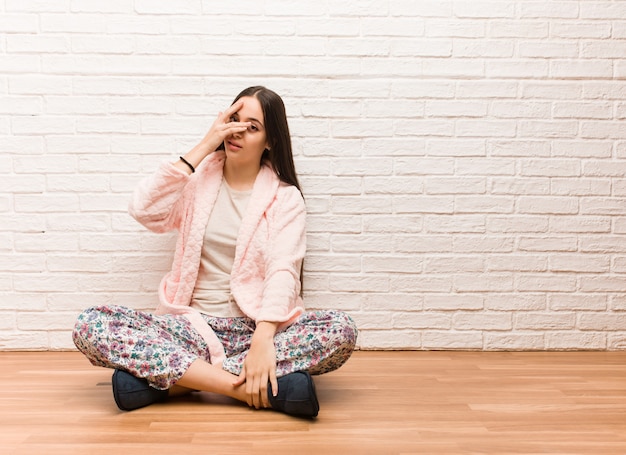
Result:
[
  {"x": 287, "y": 247},
  {"x": 159, "y": 201}
]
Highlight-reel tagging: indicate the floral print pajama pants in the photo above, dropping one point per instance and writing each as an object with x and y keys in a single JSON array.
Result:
[{"x": 161, "y": 348}]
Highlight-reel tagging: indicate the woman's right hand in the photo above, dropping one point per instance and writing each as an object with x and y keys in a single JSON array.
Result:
[{"x": 222, "y": 128}]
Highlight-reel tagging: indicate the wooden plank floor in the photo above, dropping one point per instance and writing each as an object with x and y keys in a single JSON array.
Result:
[{"x": 378, "y": 403}]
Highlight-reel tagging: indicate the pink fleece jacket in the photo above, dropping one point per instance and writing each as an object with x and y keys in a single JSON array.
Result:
[{"x": 265, "y": 279}]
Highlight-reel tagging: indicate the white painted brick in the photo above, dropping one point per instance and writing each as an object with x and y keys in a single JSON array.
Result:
[
  {"x": 603, "y": 168},
  {"x": 604, "y": 90},
  {"x": 422, "y": 244},
  {"x": 333, "y": 263},
  {"x": 22, "y": 263},
  {"x": 586, "y": 149},
  {"x": 455, "y": 109},
  {"x": 495, "y": 341},
  {"x": 77, "y": 263},
  {"x": 373, "y": 320},
  {"x": 555, "y": 9},
  {"x": 378, "y": 243},
  {"x": 455, "y": 223},
  {"x": 22, "y": 184},
  {"x": 514, "y": 223},
  {"x": 484, "y": 9},
  {"x": 579, "y": 263},
  {"x": 365, "y": 166},
  {"x": 357, "y": 283},
  {"x": 518, "y": 148},
  {"x": 544, "y": 321},
  {"x": 523, "y": 109},
  {"x": 393, "y": 185},
  {"x": 21, "y": 341},
  {"x": 19, "y": 23},
  {"x": 520, "y": 69},
  {"x": 401, "y": 224},
  {"x": 584, "y": 302},
  {"x": 453, "y": 302},
  {"x": 105, "y": 64},
  {"x": 360, "y": 205},
  {"x": 424, "y": 166},
  {"x": 66, "y": 105},
  {"x": 516, "y": 302},
  {"x": 22, "y": 144},
  {"x": 382, "y": 301},
  {"x": 484, "y": 283},
  {"x": 25, "y": 302},
  {"x": 454, "y": 28},
  {"x": 452, "y": 340},
  {"x": 43, "y": 125},
  {"x": 516, "y": 263},
  {"x": 392, "y": 264},
  {"x": 546, "y": 283},
  {"x": 576, "y": 341},
  {"x": 582, "y": 187},
  {"x": 486, "y": 90},
  {"x": 464, "y": 244},
  {"x": 581, "y": 69},
  {"x": 331, "y": 186},
  {"x": 483, "y": 204},
  {"x": 83, "y": 222},
  {"x": 616, "y": 342},
  {"x": 421, "y": 283},
  {"x": 48, "y": 203},
  {"x": 421, "y": 8},
  {"x": 385, "y": 339},
  {"x": 602, "y": 10},
  {"x": 457, "y": 68},
  {"x": 486, "y": 49},
  {"x": 548, "y": 205},
  {"x": 546, "y": 243},
  {"x": 453, "y": 264},
  {"x": 482, "y": 321},
  {"x": 437, "y": 321},
  {"x": 552, "y": 90},
  {"x": 484, "y": 167},
  {"x": 333, "y": 223},
  {"x": 26, "y": 44},
  {"x": 520, "y": 186},
  {"x": 328, "y": 27},
  {"x": 454, "y": 185},
  {"x": 518, "y": 28},
  {"x": 26, "y": 223},
  {"x": 423, "y": 204}
]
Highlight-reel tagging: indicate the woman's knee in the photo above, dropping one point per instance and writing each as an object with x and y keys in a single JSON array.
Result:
[
  {"x": 86, "y": 323},
  {"x": 345, "y": 326}
]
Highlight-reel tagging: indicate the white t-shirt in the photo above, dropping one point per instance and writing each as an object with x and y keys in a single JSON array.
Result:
[{"x": 212, "y": 292}]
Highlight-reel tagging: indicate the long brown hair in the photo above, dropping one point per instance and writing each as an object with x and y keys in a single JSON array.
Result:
[{"x": 280, "y": 154}]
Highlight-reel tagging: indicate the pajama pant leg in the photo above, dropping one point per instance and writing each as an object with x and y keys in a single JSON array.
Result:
[
  {"x": 318, "y": 342},
  {"x": 157, "y": 348}
]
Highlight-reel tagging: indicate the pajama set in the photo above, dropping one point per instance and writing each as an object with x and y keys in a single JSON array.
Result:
[{"x": 237, "y": 262}]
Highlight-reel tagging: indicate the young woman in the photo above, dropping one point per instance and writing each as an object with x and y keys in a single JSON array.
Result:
[{"x": 230, "y": 318}]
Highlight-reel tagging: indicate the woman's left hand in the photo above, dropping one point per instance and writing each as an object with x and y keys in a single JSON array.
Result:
[{"x": 259, "y": 368}]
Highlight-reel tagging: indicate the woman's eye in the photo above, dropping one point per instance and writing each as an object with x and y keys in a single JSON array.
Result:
[
  {"x": 253, "y": 128},
  {"x": 233, "y": 118}
]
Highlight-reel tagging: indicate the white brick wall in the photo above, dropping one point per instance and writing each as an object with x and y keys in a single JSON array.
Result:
[{"x": 463, "y": 161}]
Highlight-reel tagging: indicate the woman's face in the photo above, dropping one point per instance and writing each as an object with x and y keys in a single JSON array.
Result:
[{"x": 249, "y": 145}]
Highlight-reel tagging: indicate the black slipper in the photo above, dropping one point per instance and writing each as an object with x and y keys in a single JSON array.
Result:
[
  {"x": 132, "y": 393},
  {"x": 296, "y": 395}
]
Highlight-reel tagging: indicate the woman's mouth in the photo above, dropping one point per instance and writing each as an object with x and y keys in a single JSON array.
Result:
[{"x": 234, "y": 145}]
